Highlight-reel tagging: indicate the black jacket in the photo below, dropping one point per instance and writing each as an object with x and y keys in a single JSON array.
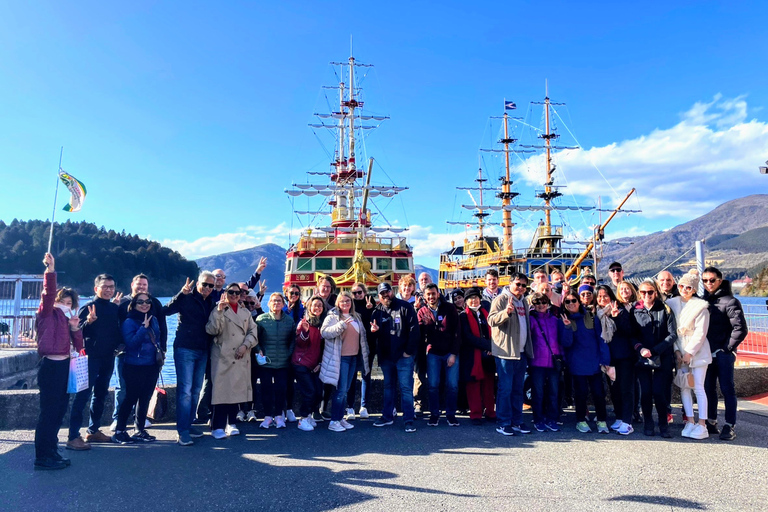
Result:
[
  {"x": 361, "y": 309},
  {"x": 193, "y": 313},
  {"x": 398, "y": 330},
  {"x": 622, "y": 346},
  {"x": 470, "y": 342},
  {"x": 727, "y": 325},
  {"x": 104, "y": 335},
  {"x": 656, "y": 330},
  {"x": 156, "y": 311}
]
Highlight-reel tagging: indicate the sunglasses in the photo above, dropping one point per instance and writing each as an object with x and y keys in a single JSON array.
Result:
[
  {"x": 294, "y": 294},
  {"x": 647, "y": 292},
  {"x": 570, "y": 301},
  {"x": 358, "y": 292},
  {"x": 520, "y": 285},
  {"x": 219, "y": 276},
  {"x": 685, "y": 287},
  {"x": 540, "y": 303},
  {"x": 206, "y": 285},
  {"x": 249, "y": 303},
  {"x": 233, "y": 292},
  {"x": 615, "y": 270},
  {"x": 710, "y": 281},
  {"x": 141, "y": 302}
]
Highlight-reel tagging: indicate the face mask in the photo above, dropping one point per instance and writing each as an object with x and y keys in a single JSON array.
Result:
[
  {"x": 262, "y": 360},
  {"x": 66, "y": 310}
]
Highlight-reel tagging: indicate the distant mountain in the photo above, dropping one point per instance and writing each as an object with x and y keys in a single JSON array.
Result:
[
  {"x": 240, "y": 265},
  {"x": 732, "y": 234}
]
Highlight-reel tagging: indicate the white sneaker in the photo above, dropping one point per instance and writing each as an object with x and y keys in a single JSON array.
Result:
[
  {"x": 347, "y": 425},
  {"x": 625, "y": 429},
  {"x": 147, "y": 424},
  {"x": 616, "y": 425},
  {"x": 699, "y": 432},
  {"x": 268, "y": 422},
  {"x": 113, "y": 426},
  {"x": 350, "y": 414},
  {"x": 240, "y": 416},
  {"x": 232, "y": 430},
  {"x": 311, "y": 421},
  {"x": 394, "y": 412},
  {"x": 688, "y": 428},
  {"x": 363, "y": 413},
  {"x": 219, "y": 434},
  {"x": 251, "y": 416},
  {"x": 290, "y": 416},
  {"x": 305, "y": 425},
  {"x": 335, "y": 426},
  {"x": 279, "y": 422}
]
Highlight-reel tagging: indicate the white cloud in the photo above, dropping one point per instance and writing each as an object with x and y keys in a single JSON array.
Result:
[
  {"x": 684, "y": 171},
  {"x": 244, "y": 238}
]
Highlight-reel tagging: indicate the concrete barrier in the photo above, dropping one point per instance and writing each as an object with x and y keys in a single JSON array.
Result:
[{"x": 19, "y": 409}]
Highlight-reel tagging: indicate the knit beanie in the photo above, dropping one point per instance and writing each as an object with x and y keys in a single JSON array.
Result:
[
  {"x": 586, "y": 288},
  {"x": 690, "y": 279}
]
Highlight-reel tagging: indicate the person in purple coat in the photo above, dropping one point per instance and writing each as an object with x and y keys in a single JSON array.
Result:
[{"x": 546, "y": 364}]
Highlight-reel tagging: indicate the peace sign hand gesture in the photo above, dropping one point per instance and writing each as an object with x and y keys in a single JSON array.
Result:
[
  {"x": 262, "y": 265},
  {"x": 223, "y": 302},
  {"x": 117, "y": 298},
  {"x": 374, "y": 326},
  {"x": 147, "y": 320},
  {"x": 187, "y": 288},
  {"x": 369, "y": 302},
  {"x": 91, "y": 314},
  {"x": 614, "y": 309},
  {"x": 566, "y": 320}
]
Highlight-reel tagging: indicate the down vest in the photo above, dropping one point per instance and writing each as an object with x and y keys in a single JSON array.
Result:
[
  {"x": 332, "y": 330},
  {"x": 276, "y": 339}
]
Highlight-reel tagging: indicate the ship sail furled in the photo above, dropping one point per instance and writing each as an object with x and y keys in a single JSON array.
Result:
[
  {"x": 351, "y": 248},
  {"x": 466, "y": 265}
]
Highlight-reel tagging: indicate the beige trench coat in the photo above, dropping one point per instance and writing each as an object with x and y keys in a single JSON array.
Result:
[{"x": 230, "y": 377}]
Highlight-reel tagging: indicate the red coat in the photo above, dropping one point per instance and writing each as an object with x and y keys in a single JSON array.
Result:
[{"x": 53, "y": 333}]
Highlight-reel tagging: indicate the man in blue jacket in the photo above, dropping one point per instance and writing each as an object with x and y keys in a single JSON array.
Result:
[
  {"x": 395, "y": 332},
  {"x": 190, "y": 349}
]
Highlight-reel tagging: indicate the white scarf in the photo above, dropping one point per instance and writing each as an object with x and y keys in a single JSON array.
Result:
[{"x": 686, "y": 321}]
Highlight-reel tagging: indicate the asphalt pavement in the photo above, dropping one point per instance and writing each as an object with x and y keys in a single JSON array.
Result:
[{"x": 463, "y": 468}]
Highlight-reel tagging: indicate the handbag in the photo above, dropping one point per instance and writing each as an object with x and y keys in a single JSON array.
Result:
[
  {"x": 652, "y": 362},
  {"x": 684, "y": 377},
  {"x": 159, "y": 355},
  {"x": 158, "y": 404},
  {"x": 78, "y": 374}
]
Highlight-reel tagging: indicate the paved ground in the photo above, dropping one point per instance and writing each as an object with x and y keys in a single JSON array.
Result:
[{"x": 464, "y": 468}]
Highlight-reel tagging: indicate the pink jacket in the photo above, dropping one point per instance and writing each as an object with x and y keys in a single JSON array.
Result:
[{"x": 53, "y": 333}]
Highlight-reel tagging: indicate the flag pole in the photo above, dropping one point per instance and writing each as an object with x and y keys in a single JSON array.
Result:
[{"x": 55, "y": 197}]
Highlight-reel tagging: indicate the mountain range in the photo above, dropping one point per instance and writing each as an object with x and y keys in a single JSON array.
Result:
[{"x": 735, "y": 237}]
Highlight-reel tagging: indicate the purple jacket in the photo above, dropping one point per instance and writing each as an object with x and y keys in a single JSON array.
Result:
[
  {"x": 53, "y": 333},
  {"x": 549, "y": 327}
]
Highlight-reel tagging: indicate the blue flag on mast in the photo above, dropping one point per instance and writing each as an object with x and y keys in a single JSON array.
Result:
[{"x": 509, "y": 105}]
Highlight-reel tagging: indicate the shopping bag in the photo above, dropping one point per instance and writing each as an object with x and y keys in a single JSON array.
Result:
[
  {"x": 78, "y": 374},
  {"x": 158, "y": 405}
]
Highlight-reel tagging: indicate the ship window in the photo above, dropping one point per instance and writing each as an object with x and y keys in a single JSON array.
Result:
[
  {"x": 402, "y": 264},
  {"x": 383, "y": 263},
  {"x": 304, "y": 265},
  {"x": 343, "y": 263},
  {"x": 288, "y": 265},
  {"x": 323, "y": 263}
]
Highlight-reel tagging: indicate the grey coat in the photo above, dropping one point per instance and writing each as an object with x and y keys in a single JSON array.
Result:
[{"x": 332, "y": 330}]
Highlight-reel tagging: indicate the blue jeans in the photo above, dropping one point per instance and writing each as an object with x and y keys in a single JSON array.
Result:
[
  {"x": 190, "y": 371},
  {"x": 120, "y": 386},
  {"x": 398, "y": 372},
  {"x": 99, "y": 374},
  {"x": 347, "y": 375},
  {"x": 435, "y": 365},
  {"x": 545, "y": 383},
  {"x": 509, "y": 397},
  {"x": 721, "y": 368}
]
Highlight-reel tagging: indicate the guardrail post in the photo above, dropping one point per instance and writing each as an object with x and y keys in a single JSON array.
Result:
[{"x": 16, "y": 313}]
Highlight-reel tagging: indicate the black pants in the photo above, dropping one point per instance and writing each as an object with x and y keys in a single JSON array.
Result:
[
  {"x": 311, "y": 389},
  {"x": 52, "y": 378},
  {"x": 273, "y": 387},
  {"x": 623, "y": 389},
  {"x": 582, "y": 385},
  {"x": 653, "y": 390},
  {"x": 140, "y": 382},
  {"x": 223, "y": 414}
]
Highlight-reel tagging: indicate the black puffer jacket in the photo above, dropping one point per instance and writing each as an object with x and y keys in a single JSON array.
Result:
[
  {"x": 623, "y": 342},
  {"x": 727, "y": 325},
  {"x": 656, "y": 330},
  {"x": 193, "y": 313}
]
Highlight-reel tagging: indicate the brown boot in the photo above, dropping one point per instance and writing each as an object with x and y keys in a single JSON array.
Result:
[
  {"x": 98, "y": 437},
  {"x": 78, "y": 445}
]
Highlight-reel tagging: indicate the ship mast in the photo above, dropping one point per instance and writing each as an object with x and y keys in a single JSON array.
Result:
[
  {"x": 506, "y": 195},
  {"x": 549, "y": 193}
]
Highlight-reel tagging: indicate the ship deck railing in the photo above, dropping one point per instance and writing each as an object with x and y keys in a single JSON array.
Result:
[{"x": 344, "y": 242}]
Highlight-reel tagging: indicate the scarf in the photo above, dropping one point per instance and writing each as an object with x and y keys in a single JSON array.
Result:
[
  {"x": 474, "y": 326},
  {"x": 687, "y": 319},
  {"x": 606, "y": 322}
]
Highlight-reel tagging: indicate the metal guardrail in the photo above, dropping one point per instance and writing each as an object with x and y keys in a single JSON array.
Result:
[
  {"x": 756, "y": 341},
  {"x": 19, "y": 299}
]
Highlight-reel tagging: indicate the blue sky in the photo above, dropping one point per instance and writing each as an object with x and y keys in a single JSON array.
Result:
[{"x": 186, "y": 121}]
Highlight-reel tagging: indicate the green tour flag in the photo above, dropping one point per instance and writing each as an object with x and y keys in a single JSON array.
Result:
[{"x": 76, "y": 188}]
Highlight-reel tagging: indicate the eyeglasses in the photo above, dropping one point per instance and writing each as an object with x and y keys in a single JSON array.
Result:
[
  {"x": 249, "y": 303},
  {"x": 685, "y": 287},
  {"x": 294, "y": 294},
  {"x": 520, "y": 285},
  {"x": 647, "y": 292},
  {"x": 141, "y": 302},
  {"x": 615, "y": 270},
  {"x": 358, "y": 292},
  {"x": 206, "y": 285},
  {"x": 710, "y": 281},
  {"x": 540, "y": 303},
  {"x": 107, "y": 287},
  {"x": 570, "y": 301},
  {"x": 233, "y": 292}
]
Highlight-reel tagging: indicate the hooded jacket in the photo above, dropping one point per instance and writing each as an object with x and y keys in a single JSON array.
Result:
[
  {"x": 506, "y": 328},
  {"x": 727, "y": 325}
]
